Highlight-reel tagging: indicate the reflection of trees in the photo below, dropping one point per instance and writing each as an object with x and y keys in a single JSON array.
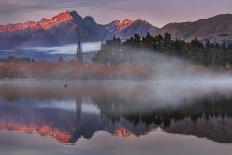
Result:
[
  {"x": 116, "y": 107},
  {"x": 136, "y": 115},
  {"x": 78, "y": 106},
  {"x": 88, "y": 123},
  {"x": 205, "y": 117}
]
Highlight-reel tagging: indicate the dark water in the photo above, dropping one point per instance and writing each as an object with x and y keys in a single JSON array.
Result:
[{"x": 76, "y": 117}]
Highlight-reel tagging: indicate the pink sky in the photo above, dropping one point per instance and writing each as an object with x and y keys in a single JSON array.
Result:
[{"x": 157, "y": 12}]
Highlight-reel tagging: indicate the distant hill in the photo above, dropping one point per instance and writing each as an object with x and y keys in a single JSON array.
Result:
[
  {"x": 215, "y": 29},
  {"x": 69, "y": 27}
]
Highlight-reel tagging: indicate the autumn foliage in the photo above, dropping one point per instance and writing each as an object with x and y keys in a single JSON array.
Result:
[{"x": 73, "y": 70}]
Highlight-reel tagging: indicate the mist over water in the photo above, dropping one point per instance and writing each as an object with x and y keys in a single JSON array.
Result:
[
  {"x": 68, "y": 52},
  {"x": 172, "y": 80},
  {"x": 171, "y": 69},
  {"x": 182, "y": 82},
  {"x": 68, "y": 49},
  {"x": 178, "y": 99}
]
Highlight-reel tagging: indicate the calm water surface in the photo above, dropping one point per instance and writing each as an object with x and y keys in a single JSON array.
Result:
[{"x": 114, "y": 117}]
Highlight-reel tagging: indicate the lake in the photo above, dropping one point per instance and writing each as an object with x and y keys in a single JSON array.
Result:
[{"x": 115, "y": 117}]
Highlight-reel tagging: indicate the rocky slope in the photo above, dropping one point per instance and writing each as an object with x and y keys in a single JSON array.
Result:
[{"x": 66, "y": 28}]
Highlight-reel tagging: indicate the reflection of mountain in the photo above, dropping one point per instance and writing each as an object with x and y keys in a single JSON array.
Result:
[
  {"x": 44, "y": 130},
  {"x": 67, "y": 117},
  {"x": 64, "y": 126}
]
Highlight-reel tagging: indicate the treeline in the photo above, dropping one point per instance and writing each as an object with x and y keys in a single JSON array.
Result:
[{"x": 206, "y": 53}]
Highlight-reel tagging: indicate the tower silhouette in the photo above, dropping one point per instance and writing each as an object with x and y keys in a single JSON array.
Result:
[{"x": 79, "y": 54}]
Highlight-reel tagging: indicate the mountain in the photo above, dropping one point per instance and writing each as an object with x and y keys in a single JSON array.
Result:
[
  {"x": 140, "y": 27},
  {"x": 215, "y": 29},
  {"x": 67, "y": 28},
  {"x": 127, "y": 28}
]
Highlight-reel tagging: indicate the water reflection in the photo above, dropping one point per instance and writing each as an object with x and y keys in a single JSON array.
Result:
[{"x": 125, "y": 110}]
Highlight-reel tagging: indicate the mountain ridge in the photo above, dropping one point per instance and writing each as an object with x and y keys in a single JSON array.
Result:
[
  {"x": 215, "y": 29},
  {"x": 69, "y": 27},
  {"x": 65, "y": 28}
]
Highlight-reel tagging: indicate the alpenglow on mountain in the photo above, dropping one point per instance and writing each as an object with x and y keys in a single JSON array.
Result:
[{"x": 69, "y": 27}]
